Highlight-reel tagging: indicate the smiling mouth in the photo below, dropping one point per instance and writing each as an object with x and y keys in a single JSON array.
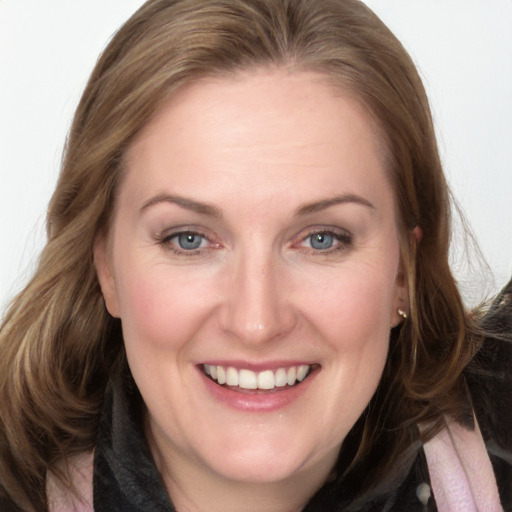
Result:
[{"x": 244, "y": 379}]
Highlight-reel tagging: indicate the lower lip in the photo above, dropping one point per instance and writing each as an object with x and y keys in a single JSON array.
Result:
[{"x": 258, "y": 400}]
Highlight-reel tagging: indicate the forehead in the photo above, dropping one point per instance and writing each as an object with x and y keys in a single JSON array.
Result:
[
  {"x": 258, "y": 130},
  {"x": 261, "y": 92}
]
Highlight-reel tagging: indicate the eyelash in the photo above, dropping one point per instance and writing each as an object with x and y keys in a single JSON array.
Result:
[
  {"x": 343, "y": 238},
  {"x": 165, "y": 240}
]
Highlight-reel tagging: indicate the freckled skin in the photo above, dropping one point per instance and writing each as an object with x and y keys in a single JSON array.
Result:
[{"x": 257, "y": 148}]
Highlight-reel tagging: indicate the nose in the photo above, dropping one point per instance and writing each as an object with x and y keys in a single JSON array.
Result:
[{"x": 256, "y": 308}]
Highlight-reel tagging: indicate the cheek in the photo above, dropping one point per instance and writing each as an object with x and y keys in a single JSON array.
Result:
[
  {"x": 350, "y": 319},
  {"x": 353, "y": 308},
  {"x": 160, "y": 307}
]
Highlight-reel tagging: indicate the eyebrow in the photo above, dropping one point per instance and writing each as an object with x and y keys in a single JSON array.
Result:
[
  {"x": 213, "y": 211},
  {"x": 184, "y": 202},
  {"x": 323, "y": 204}
]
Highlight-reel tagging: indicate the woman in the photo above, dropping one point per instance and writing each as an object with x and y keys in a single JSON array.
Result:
[{"x": 245, "y": 300}]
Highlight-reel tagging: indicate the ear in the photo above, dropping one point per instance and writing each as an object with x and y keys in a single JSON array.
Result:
[
  {"x": 102, "y": 263},
  {"x": 417, "y": 234},
  {"x": 401, "y": 298}
]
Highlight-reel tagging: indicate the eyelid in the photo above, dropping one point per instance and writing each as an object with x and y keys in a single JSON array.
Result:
[
  {"x": 165, "y": 236},
  {"x": 343, "y": 236}
]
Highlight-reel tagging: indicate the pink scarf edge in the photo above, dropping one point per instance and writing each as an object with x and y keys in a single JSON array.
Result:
[{"x": 460, "y": 471}]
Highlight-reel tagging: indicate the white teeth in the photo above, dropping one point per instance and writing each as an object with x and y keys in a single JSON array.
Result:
[
  {"x": 281, "y": 378},
  {"x": 248, "y": 379},
  {"x": 231, "y": 377},
  {"x": 267, "y": 379},
  {"x": 302, "y": 372},
  {"x": 221, "y": 375},
  {"x": 292, "y": 375}
]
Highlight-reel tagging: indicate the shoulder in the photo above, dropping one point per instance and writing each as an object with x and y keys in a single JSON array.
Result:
[
  {"x": 79, "y": 470},
  {"x": 489, "y": 379},
  {"x": 489, "y": 375}
]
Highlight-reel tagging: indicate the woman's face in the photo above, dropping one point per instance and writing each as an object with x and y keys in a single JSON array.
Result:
[{"x": 254, "y": 241}]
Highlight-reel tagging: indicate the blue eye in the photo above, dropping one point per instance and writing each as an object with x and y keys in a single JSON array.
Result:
[
  {"x": 321, "y": 241},
  {"x": 189, "y": 241},
  {"x": 326, "y": 241}
]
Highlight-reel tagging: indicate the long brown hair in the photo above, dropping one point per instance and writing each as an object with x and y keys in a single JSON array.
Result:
[{"x": 59, "y": 345}]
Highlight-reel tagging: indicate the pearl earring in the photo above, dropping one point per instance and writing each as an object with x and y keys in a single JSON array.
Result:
[{"x": 402, "y": 313}]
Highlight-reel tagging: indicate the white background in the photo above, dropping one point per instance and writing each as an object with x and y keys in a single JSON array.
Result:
[{"x": 463, "y": 49}]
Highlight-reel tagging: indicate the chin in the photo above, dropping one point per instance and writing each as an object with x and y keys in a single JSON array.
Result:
[
  {"x": 264, "y": 470},
  {"x": 266, "y": 461}
]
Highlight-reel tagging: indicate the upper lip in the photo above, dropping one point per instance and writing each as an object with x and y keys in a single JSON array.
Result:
[{"x": 256, "y": 366}]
